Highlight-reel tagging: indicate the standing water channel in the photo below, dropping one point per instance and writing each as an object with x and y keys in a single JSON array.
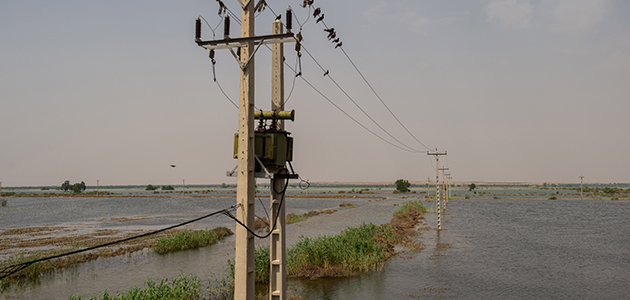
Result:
[{"x": 488, "y": 248}]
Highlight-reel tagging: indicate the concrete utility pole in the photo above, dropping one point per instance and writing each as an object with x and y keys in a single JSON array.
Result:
[
  {"x": 183, "y": 187},
  {"x": 428, "y": 188},
  {"x": 244, "y": 280},
  {"x": 277, "y": 243},
  {"x": 248, "y": 44},
  {"x": 581, "y": 187},
  {"x": 96, "y": 188},
  {"x": 437, "y": 186},
  {"x": 448, "y": 178},
  {"x": 444, "y": 186}
]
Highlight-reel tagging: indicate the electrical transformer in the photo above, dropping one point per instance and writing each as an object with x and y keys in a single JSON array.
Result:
[{"x": 272, "y": 146}]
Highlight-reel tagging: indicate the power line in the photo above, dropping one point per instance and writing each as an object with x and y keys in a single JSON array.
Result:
[
  {"x": 349, "y": 116},
  {"x": 356, "y": 104},
  {"x": 407, "y": 149},
  {"x": 379, "y": 98}
]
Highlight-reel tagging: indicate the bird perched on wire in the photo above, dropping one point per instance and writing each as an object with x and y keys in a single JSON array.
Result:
[
  {"x": 317, "y": 11},
  {"x": 173, "y": 166},
  {"x": 338, "y": 45},
  {"x": 336, "y": 40},
  {"x": 320, "y": 19},
  {"x": 326, "y": 72}
]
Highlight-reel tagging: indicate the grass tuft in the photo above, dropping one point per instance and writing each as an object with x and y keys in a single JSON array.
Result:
[
  {"x": 180, "y": 288},
  {"x": 188, "y": 239},
  {"x": 412, "y": 206}
]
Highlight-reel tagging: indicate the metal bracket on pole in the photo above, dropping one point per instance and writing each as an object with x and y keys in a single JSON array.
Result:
[
  {"x": 231, "y": 43},
  {"x": 244, "y": 4},
  {"x": 265, "y": 174}
]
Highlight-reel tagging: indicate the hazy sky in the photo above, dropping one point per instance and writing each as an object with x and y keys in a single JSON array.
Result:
[{"x": 514, "y": 90}]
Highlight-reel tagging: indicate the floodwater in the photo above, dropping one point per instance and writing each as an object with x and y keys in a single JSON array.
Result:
[{"x": 487, "y": 249}]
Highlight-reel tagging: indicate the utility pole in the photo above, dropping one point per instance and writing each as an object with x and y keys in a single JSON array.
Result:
[
  {"x": 183, "y": 187},
  {"x": 437, "y": 186},
  {"x": 448, "y": 177},
  {"x": 444, "y": 186},
  {"x": 248, "y": 44},
  {"x": 428, "y": 188},
  {"x": 97, "y": 188},
  {"x": 277, "y": 243},
  {"x": 581, "y": 187}
]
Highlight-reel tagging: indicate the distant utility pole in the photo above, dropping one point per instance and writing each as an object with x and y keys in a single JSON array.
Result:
[
  {"x": 248, "y": 44},
  {"x": 97, "y": 188},
  {"x": 581, "y": 187},
  {"x": 437, "y": 185},
  {"x": 448, "y": 177},
  {"x": 183, "y": 187},
  {"x": 428, "y": 188},
  {"x": 444, "y": 186}
]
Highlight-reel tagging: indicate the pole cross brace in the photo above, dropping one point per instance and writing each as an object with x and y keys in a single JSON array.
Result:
[
  {"x": 264, "y": 174},
  {"x": 231, "y": 43}
]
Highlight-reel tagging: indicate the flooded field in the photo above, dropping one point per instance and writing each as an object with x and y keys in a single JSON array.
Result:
[{"x": 513, "y": 247}]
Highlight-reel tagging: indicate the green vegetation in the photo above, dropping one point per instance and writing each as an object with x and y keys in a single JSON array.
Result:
[
  {"x": 472, "y": 186},
  {"x": 188, "y": 239},
  {"x": 360, "y": 248},
  {"x": 168, "y": 188},
  {"x": 412, "y": 206},
  {"x": 34, "y": 271},
  {"x": 402, "y": 185},
  {"x": 181, "y": 288},
  {"x": 150, "y": 187},
  {"x": 179, "y": 241},
  {"x": 76, "y": 188},
  {"x": 294, "y": 218}
]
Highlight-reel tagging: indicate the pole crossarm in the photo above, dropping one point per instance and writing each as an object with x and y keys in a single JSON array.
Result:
[
  {"x": 242, "y": 41},
  {"x": 436, "y": 153}
]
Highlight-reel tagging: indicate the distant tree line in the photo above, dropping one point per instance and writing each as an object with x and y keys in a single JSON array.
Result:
[{"x": 169, "y": 187}]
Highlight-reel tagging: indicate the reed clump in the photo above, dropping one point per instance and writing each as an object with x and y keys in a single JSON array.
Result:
[
  {"x": 181, "y": 288},
  {"x": 356, "y": 249},
  {"x": 189, "y": 239},
  {"x": 412, "y": 206},
  {"x": 294, "y": 218}
]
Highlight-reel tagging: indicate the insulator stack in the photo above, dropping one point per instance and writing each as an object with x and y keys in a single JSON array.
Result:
[
  {"x": 289, "y": 19},
  {"x": 226, "y": 27},
  {"x": 197, "y": 29}
]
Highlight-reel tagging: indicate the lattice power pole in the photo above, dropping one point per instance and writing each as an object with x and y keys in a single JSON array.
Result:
[
  {"x": 437, "y": 186},
  {"x": 444, "y": 186},
  {"x": 448, "y": 184},
  {"x": 581, "y": 187},
  {"x": 248, "y": 44}
]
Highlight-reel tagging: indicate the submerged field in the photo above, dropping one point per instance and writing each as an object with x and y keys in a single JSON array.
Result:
[{"x": 26, "y": 223}]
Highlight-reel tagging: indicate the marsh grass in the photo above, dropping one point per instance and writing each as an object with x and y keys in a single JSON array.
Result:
[
  {"x": 294, "y": 218},
  {"x": 179, "y": 241},
  {"x": 411, "y": 206},
  {"x": 188, "y": 239},
  {"x": 181, "y": 288},
  {"x": 34, "y": 271},
  {"x": 361, "y": 248}
]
